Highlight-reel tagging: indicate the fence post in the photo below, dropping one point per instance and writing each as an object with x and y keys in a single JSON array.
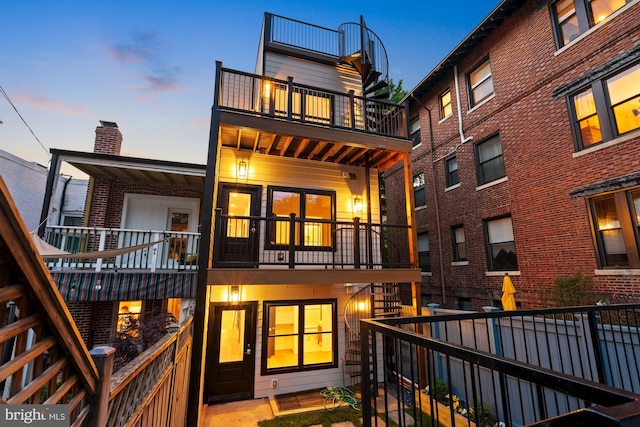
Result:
[
  {"x": 103, "y": 357},
  {"x": 597, "y": 348},
  {"x": 495, "y": 337},
  {"x": 292, "y": 240},
  {"x": 356, "y": 242},
  {"x": 352, "y": 109},
  {"x": 290, "y": 100}
]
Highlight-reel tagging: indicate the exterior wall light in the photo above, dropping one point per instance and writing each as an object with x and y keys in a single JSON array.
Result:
[
  {"x": 267, "y": 90},
  {"x": 242, "y": 169},
  {"x": 234, "y": 294},
  {"x": 357, "y": 205}
]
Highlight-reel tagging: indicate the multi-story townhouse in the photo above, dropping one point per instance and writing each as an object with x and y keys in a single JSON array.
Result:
[
  {"x": 135, "y": 248},
  {"x": 526, "y": 156},
  {"x": 297, "y": 250}
]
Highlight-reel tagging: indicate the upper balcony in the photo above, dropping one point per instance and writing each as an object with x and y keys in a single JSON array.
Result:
[{"x": 284, "y": 118}]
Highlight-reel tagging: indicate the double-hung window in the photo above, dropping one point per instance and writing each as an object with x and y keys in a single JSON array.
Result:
[
  {"x": 489, "y": 161},
  {"x": 607, "y": 108},
  {"x": 480, "y": 83},
  {"x": 445, "y": 105},
  {"x": 424, "y": 260},
  {"x": 451, "y": 171},
  {"x": 299, "y": 335},
  {"x": 501, "y": 245},
  {"x": 314, "y": 210},
  {"x": 459, "y": 244},
  {"x": 414, "y": 131},
  {"x": 419, "y": 194},
  {"x": 574, "y": 17},
  {"x": 616, "y": 221}
]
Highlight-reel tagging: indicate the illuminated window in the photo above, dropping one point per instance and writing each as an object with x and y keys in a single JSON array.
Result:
[
  {"x": 299, "y": 336},
  {"x": 480, "y": 83},
  {"x": 607, "y": 108},
  {"x": 616, "y": 219},
  {"x": 129, "y": 317},
  {"x": 574, "y": 17},
  {"x": 445, "y": 105},
  {"x": 313, "y": 211}
]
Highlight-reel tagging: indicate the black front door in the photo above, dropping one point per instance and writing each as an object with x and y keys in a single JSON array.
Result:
[
  {"x": 239, "y": 230},
  {"x": 230, "y": 360}
]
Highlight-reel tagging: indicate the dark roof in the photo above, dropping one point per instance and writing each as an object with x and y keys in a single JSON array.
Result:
[{"x": 495, "y": 18}]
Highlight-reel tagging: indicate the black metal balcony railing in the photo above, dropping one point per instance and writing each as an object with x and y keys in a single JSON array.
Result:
[
  {"x": 517, "y": 368},
  {"x": 286, "y": 100},
  {"x": 301, "y": 35},
  {"x": 293, "y": 242}
]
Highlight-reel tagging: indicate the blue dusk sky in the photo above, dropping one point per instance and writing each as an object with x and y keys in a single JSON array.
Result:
[{"x": 149, "y": 65}]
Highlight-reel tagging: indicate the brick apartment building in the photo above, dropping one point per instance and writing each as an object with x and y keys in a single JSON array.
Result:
[{"x": 526, "y": 155}]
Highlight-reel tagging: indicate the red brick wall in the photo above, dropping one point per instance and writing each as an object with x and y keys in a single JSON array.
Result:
[
  {"x": 552, "y": 230},
  {"x": 108, "y": 139},
  {"x": 95, "y": 321}
]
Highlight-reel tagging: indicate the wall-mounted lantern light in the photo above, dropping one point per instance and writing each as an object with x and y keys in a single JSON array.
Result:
[
  {"x": 267, "y": 90},
  {"x": 234, "y": 294},
  {"x": 357, "y": 205},
  {"x": 242, "y": 169}
]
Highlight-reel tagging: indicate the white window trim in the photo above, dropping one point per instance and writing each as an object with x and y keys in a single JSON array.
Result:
[
  {"x": 445, "y": 118},
  {"x": 457, "y": 263},
  {"x": 618, "y": 272},
  {"x": 426, "y": 273},
  {"x": 453, "y": 187},
  {"x": 419, "y": 208},
  {"x": 501, "y": 273},
  {"x": 484, "y": 101},
  {"x": 416, "y": 146},
  {"x": 624, "y": 138},
  {"x": 595, "y": 27},
  {"x": 492, "y": 183}
]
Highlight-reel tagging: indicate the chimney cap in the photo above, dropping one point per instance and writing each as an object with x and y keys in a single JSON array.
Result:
[{"x": 108, "y": 124}]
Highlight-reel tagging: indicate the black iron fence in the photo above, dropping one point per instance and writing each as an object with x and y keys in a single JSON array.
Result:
[
  {"x": 517, "y": 368},
  {"x": 292, "y": 242},
  {"x": 291, "y": 101}
]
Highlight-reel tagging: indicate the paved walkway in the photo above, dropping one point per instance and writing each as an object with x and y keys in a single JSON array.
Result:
[{"x": 238, "y": 414}]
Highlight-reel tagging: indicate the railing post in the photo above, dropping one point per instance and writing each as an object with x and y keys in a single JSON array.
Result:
[
  {"x": 103, "y": 357},
  {"x": 217, "y": 233},
  {"x": 292, "y": 240},
  {"x": 495, "y": 337},
  {"x": 406, "y": 119},
  {"x": 597, "y": 349},
  {"x": 352, "y": 109},
  {"x": 103, "y": 238},
  {"x": 154, "y": 252},
  {"x": 356, "y": 242},
  {"x": 365, "y": 368},
  {"x": 290, "y": 99}
]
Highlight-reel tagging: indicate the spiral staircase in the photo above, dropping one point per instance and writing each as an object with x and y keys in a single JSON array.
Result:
[
  {"x": 375, "y": 300},
  {"x": 363, "y": 50}
]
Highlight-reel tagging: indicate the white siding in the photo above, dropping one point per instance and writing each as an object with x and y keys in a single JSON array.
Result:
[
  {"x": 341, "y": 78},
  {"x": 266, "y": 170},
  {"x": 296, "y": 381}
]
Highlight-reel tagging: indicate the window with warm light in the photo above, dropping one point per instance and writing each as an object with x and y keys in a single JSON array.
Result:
[
  {"x": 480, "y": 83},
  {"x": 129, "y": 317},
  {"x": 239, "y": 207},
  {"x": 313, "y": 209},
  {"x": 616, "y": 222},
  {"x": 299, "y": 335},
  {"x": 445, "y": 105},
  {"x": 607, "y": 108},
  {"x": 574, "y": 17}
]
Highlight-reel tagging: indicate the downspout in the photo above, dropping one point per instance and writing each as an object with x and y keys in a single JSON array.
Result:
[
  {"x": 367, "y": 179},
  {"x": 455, "y": 79},
  {"x": 435, "y": 195}
]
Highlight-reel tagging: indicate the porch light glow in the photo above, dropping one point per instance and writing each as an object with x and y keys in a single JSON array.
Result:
[
  {"x": 242, "y": 169},
  {"x": 362, "y": 306},
  {"x": 267, "y": 90},
  {"x": 357, "y": 205},
  {"x": 234, "y": 294}
]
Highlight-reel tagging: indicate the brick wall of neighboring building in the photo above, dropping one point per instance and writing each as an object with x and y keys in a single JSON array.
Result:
[
  {"x": 552, "y": 228},
  {"x": 95, "y": 321}
]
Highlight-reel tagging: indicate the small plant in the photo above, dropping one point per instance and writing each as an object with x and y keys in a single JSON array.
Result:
[
  {"x": 155, "y": 328},
  {"x": 440, "y": 390},
  {"x": 576, "y": 289}
]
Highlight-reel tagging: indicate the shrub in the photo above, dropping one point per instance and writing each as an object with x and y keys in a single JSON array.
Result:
[{"x": 573, "y": 290}]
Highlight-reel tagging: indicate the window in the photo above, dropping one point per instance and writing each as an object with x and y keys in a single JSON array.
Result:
[
  {"x": 306, "y": 104},
  {"x": 299, "y": 335},
  {"x": 490, "y": 165},
  {"x": 423, "y": 252},
  {"x": 459, "y": 247},
  {"x": 616, "y": 219},
  {"x": 608, "y": 108},
  {"x": 451, "y": 172},
  {"x": 501, "y": 249},
  {"x": 419, "y": 194},
  {"x": 574, "y": 17},
  {"x": 480, "y": 83},
  {"x": 72, "y": 221},
  {"x": 414, "y": 131},
  {"x": 313, "y": 207},
  {"x": 445, "y": 104},
  {"x": 465, "y": 304},
  {"x": 129, "y": 317}
]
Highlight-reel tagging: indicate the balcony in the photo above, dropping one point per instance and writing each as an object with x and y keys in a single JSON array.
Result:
[
  {"x": 552, "y": 367},
  {"x": 121, "y": 249}
]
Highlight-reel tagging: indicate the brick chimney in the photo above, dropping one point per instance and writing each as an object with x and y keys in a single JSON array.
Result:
[{"x": 108, "y": 138}]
